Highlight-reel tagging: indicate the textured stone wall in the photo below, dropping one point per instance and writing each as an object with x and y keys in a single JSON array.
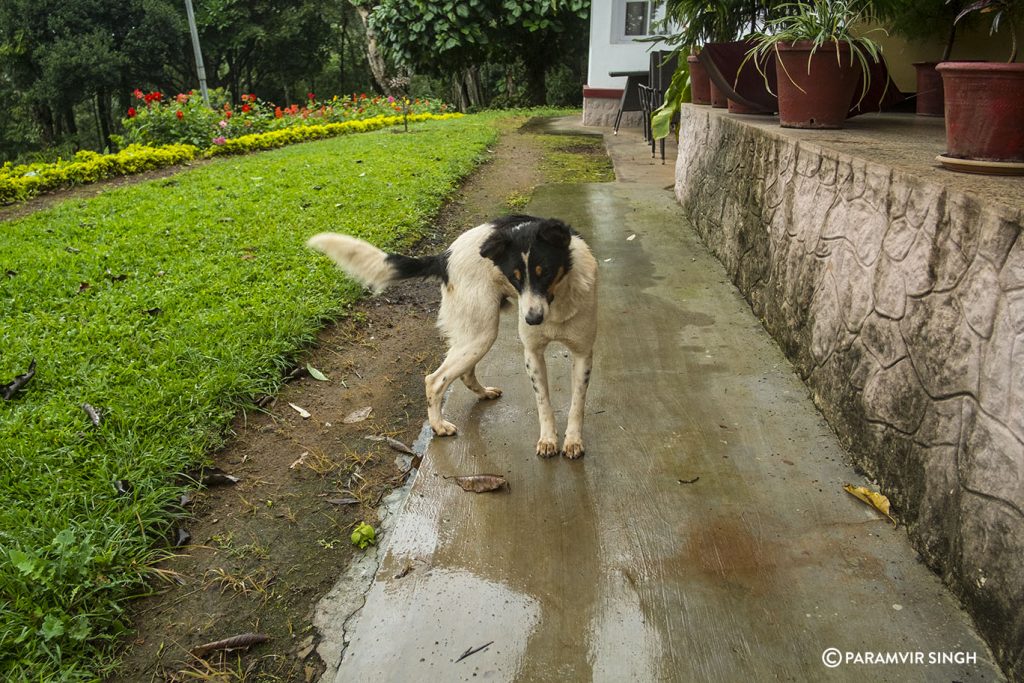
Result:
[
  {"x": 601, "y": 111},
  {"x": 901, "y": 304}
]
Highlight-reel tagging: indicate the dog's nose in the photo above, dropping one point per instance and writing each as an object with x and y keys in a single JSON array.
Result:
[{"x": 534, "y": 317}]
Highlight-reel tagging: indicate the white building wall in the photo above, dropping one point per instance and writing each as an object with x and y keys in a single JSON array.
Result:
[{"x": 609, "y": 53}]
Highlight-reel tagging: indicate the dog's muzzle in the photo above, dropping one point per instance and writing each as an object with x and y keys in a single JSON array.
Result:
[{"x": 535, "y": 316}]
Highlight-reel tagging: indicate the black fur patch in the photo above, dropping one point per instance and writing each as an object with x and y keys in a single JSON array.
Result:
[
  {"x": 545, "y": 240},
  {"x": 427, "y": 266}
]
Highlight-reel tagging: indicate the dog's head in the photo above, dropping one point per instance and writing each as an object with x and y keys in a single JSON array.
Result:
[{"x": 533, "y": 253}]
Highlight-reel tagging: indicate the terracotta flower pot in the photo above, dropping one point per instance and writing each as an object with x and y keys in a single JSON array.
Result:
[
  {"x": 718, "y": 99},
  {"x": 930, "y": 100},
  {"x": 818, "y": 97},
  {"x": 984, "y": 110},
  {"x": 700, "y": 84}
]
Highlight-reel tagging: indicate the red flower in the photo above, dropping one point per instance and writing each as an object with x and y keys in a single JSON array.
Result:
[
  {"x": 311, "y": 96},
  {"x": 246, "y": 108},
  {"x": 278, "y": 113},
  {"x": 131, "y": 112},
  {"x": 180, "y": 114},
  {"x": 227, "y": 114}
]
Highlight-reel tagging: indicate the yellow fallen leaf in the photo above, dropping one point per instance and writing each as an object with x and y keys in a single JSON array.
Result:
[{"x": 872, "y": 498}]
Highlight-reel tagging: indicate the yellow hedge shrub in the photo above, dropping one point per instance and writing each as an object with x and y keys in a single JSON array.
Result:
[
  {"x": 22, "y": 182},
  {"x": 293, "y": 134}
]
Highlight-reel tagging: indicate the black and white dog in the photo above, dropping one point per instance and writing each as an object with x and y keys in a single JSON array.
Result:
[{"x": 541, "y": 262}]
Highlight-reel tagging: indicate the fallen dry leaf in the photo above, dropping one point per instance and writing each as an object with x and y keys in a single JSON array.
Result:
[
  {"x": 481, "y": 483},
  {"x": 301, "y": 411},
  {"x": 358, "y": 415},
  {"x": 234, "y": 643},
  {"x": 872, "y": 498}
]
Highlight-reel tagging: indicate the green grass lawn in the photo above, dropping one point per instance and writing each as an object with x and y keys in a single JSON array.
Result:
[{"x": 168, "y": 305}]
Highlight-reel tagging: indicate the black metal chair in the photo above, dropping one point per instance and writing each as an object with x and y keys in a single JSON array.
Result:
[{"x": 630, "y": 100}]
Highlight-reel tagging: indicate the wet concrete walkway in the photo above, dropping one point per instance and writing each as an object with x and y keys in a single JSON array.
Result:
[{"x": 704, "y": 537}]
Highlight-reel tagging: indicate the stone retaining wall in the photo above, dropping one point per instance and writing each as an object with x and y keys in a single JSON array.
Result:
[
  {"x": 601, "y": 111},
  {"x": 901, "y": 304}
]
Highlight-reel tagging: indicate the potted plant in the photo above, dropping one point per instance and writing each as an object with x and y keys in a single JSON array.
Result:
[
  {"x": 696, "y": 23},
  {"x": 819, "y": 61},
  {"x": 985, "y": 103},
  {"x": 922, "y": 20}
]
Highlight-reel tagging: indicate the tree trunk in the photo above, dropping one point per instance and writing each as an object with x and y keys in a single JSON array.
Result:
[
  {"x": 68, "y": 115},
  {"x": 536, "y": 90},
  {"x": 103, "y": 114},
  {"x": 378, "y": 67},
  {"x": 44, "y": 117}
]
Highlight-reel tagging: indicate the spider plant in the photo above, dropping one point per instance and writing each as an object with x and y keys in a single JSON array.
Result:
[
  {"x": 1000, "y": 10},
  {"x": 826, "y": 24}
]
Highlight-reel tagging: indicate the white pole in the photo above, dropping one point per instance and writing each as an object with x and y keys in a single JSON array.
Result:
[{"x": 200, "y": 69}]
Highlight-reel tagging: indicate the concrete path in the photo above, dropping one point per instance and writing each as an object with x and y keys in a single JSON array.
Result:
[{"x": 704, "y": 537}]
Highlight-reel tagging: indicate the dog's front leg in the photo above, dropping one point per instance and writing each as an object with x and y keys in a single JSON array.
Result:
[
  {"x": 581, "y": 366},
  {"x": 536, "y": 368}
]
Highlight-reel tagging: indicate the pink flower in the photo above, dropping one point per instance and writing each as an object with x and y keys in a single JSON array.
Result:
[
  {"x": 223, "y": 123},
  {"x": 219, "y": 140},
  {"x": 391, "y": 100}
]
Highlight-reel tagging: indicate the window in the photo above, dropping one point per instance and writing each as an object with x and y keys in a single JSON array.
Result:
[
  {"x": 631, "y": 20},
  {"x": 637, "y": 18}
]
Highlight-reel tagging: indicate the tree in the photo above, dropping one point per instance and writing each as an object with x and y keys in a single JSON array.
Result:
[{"x": 448, "y": 37}]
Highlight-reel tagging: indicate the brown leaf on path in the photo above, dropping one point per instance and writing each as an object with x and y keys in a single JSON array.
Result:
[
  {"x": 358, "y": 415},
  {"x": 399, "y": 446},
  {"x": 342, "y": 501},
  {"x": 872, "y": 498},
  {"x": 215, "y": 476},
  {"x": 232, "y": 643},
  {"x": 303, "y": 413},
  {"x": 481, "y": 483}
]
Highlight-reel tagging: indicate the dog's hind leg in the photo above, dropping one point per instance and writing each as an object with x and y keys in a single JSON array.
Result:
[
  {"x": 581, "y": 366},
  {"x": 537, "y": 369},
  {"x": 473, "y": 384},
  {"x": 461, "y": 359}
]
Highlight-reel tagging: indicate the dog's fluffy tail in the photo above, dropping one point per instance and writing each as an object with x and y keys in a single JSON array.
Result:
[{"x": 373, "y": 267}]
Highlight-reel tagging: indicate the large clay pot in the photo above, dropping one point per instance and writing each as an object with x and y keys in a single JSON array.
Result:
[
  {"x": 930, "y": 100},
  {"x": 984, "y": 110},
  {"x": 718, "y": 98},
  {"x": 819, "y": 96},
  {"x": 700, "y": 84}
]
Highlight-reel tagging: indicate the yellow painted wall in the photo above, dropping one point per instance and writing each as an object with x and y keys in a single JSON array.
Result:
[{"x": 974, "y": 45}]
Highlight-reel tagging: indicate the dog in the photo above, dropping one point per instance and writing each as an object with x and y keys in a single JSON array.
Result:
[{"x": 542, "y": 263}]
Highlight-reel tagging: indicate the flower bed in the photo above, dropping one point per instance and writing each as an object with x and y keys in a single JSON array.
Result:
[
  {"x": 185, "y": 118},
  {"x": 25, "y": 181}
]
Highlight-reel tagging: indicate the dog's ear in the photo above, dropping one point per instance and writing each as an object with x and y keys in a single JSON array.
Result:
[
  {"x": 556, "y": 233},
  {"x": 495, "y": 245}
]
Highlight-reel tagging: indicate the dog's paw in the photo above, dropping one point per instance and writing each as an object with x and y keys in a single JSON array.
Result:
[
  {"x": 491, "y": 393},
  {"x": 547, "y": 448},
  {"x": 446, "y": 428},
  {"x": 572, "y": 449}
]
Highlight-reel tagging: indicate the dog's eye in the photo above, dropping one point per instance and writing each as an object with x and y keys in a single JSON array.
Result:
[
  {"x": 537, "y": 270},
  {"x": 517, "y": 275}
]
